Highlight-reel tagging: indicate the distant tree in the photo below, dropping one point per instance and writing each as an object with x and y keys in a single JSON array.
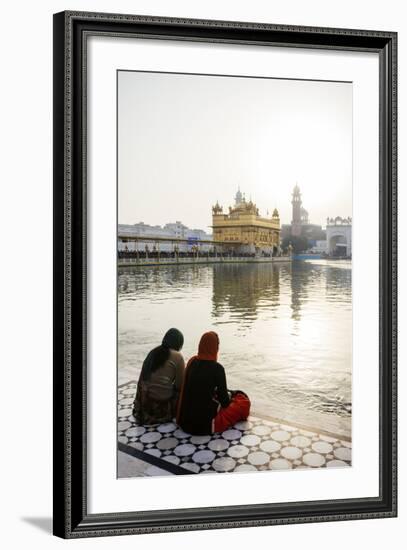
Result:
[{"x": 299, "y": 244}]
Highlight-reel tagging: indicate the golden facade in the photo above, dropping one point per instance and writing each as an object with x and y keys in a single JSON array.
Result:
[{"x": 245, "y": 228}]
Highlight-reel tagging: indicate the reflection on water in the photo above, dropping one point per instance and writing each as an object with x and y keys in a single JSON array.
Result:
[
  {"x": 242, "y": 291},
  {"x": 285, "y": 329}
]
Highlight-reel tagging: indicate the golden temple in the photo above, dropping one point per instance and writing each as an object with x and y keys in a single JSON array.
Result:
[{"x": 244, "y": 229}]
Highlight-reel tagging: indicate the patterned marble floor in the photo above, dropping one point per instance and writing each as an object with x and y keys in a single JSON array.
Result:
[{"x": 257, "y": 444}]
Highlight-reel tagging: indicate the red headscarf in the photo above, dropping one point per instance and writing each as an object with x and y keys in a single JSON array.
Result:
[
  {"x": 207, "y": 350},
  {"x": 208, "y": 346}
]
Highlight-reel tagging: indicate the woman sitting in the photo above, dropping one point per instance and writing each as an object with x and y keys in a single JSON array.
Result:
[
  {"x": 205, "y": 404},
  {"x": 160, "y": 381}
]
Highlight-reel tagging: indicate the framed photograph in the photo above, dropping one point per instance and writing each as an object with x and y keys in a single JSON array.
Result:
[{"x": 224, "y": 274}]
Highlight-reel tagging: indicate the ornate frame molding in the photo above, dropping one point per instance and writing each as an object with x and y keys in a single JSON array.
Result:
[{"x": 71, "y": 30}]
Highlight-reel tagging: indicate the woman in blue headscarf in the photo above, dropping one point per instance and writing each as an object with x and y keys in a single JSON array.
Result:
[{"x": 160, "y": 381}]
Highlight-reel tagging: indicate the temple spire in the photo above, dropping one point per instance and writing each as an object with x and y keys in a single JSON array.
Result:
[{"x": 238, "y": 197}]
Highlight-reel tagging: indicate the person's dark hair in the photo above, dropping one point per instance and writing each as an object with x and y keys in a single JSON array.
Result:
[{"x": 173, "y": 339}]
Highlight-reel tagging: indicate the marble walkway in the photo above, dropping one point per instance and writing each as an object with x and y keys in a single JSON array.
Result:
[{"x": 257, "y": 444}]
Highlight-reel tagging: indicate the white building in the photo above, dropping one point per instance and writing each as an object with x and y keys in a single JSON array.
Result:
[
  {"x": 177, "y": 229},
  {"x": 164, "y": 235},
  {"x": 339, "y": 236}
]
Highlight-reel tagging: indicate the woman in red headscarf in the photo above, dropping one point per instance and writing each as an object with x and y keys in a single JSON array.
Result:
[{"x": 205, "y": 405}]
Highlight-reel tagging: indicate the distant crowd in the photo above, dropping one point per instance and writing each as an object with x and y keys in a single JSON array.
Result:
[{"x": 154, "y": 254}]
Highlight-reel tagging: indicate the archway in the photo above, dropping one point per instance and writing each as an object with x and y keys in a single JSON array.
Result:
[{"x": 337, "y": 245}]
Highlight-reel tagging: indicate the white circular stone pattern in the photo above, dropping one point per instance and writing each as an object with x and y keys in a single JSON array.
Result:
[
  {"x": 300, "y": 441},
  {"x": 243, "y": 425},
  {"x": 173, "y": 459},
  {"x": 230, "y": 435},
  {"x": 343, "y": 453},
  {"x": 258, "y": 458},
  {"x": 238, "y": 451},
  {"x": 313, "y": 459},
  {"x": 280, "y": 464},
  {"x": 270, "y": 423},
  {"x": 167, "y": 443},
  {"x": 307, "y": 433},
  {"x": 124, "y": 412},
  {"x": 126, "y": 401},
  {"x": 167, "y": 428},
  {"x": 288, "y": 428},
  {"x": 136, "y": 431},
  {"x": 200, "y": 439},
  {"x": 280, "y": 435},
  {"x": 137, "y": 445},
  {"x": 261, "y": 430},
  {"x": 224, "y": 464},
  {"x": 203, "y": 457},
  {"x": 250, "y": 440},
  {"x": 150, "y": 437},
  {"x": 291, "y": 453},
  {"x": 322, "y": 447},
  {"x": 218, "y": 445},
  {"x": 185, "y": 450},
  {"x": 181, "y": 434},
  {"x": 270, "y": 446},
  {"x": 123, "y": 426},
  {"x": 327, "y": 438}
]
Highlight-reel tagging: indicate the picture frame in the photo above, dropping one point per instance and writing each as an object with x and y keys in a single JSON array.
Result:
[{"x": 71, "y": 514}]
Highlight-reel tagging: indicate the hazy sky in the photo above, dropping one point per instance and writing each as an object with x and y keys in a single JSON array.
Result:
[{"x": 186, "y": 141}]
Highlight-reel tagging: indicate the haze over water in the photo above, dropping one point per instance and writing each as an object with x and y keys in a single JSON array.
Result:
[{"x": 285, "y": 329}]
